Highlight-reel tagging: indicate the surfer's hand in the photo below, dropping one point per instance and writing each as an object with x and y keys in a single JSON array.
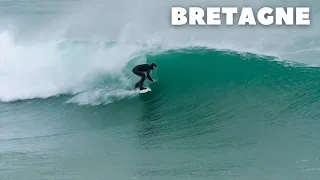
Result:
[{"x": 154, "y": 80}]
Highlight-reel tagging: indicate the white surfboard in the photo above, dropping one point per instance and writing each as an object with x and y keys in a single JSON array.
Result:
[{"x": 144, "y": 91}]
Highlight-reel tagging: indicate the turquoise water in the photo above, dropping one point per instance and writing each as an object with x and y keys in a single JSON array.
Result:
[{"x": 239, "y": 104}]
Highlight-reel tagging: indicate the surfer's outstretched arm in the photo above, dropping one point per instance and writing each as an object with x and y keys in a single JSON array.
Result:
[{"x": 149, "y": 77}]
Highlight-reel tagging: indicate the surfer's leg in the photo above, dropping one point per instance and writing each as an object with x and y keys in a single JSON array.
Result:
[
  {"x": 141, "y": 81},
  {"x": 143, "y": 77}
]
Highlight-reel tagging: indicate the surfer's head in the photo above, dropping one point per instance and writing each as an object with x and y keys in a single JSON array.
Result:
[{"x": 153, "y": 66}]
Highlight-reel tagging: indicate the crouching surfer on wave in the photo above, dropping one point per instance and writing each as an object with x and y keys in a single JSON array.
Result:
[{"x": 139, "y": 70}]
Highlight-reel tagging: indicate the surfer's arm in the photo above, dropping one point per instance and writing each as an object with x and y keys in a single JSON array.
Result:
[{"x": 149, "y": 77}]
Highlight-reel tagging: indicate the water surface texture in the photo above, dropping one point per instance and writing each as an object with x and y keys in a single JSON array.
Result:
[{"x": 238, "y": 103}]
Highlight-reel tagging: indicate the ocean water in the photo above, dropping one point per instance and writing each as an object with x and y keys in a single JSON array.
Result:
[{"x": 238, "y": 103}]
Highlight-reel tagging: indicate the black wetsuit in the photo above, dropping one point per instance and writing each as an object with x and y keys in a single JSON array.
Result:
[{"x": 139, "y": 70}]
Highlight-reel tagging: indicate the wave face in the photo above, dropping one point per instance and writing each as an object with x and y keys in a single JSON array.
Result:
[{"x": 208, "y": 79}]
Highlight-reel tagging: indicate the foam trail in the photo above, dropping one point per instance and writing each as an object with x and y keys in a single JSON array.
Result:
[{"x": 101, "y": 96}]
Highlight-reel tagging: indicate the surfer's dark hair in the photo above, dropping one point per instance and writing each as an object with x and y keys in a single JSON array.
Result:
[{"x": 153, "y": 64}]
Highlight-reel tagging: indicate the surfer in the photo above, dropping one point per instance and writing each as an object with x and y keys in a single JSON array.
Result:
[{"x": 139, "y": 70}]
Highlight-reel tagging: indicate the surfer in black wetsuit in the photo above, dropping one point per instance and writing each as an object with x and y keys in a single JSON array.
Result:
[{"x": 139, "y": 70}]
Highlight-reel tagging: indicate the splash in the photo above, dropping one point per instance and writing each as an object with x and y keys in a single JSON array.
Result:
[{"x": 58, "y": 67}]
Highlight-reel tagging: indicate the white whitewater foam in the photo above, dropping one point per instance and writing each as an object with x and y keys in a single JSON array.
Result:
[{"x": 48, "y": 69}]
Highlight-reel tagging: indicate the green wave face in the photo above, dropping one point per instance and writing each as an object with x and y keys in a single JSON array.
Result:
[{"x": 204, "y": 83}]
